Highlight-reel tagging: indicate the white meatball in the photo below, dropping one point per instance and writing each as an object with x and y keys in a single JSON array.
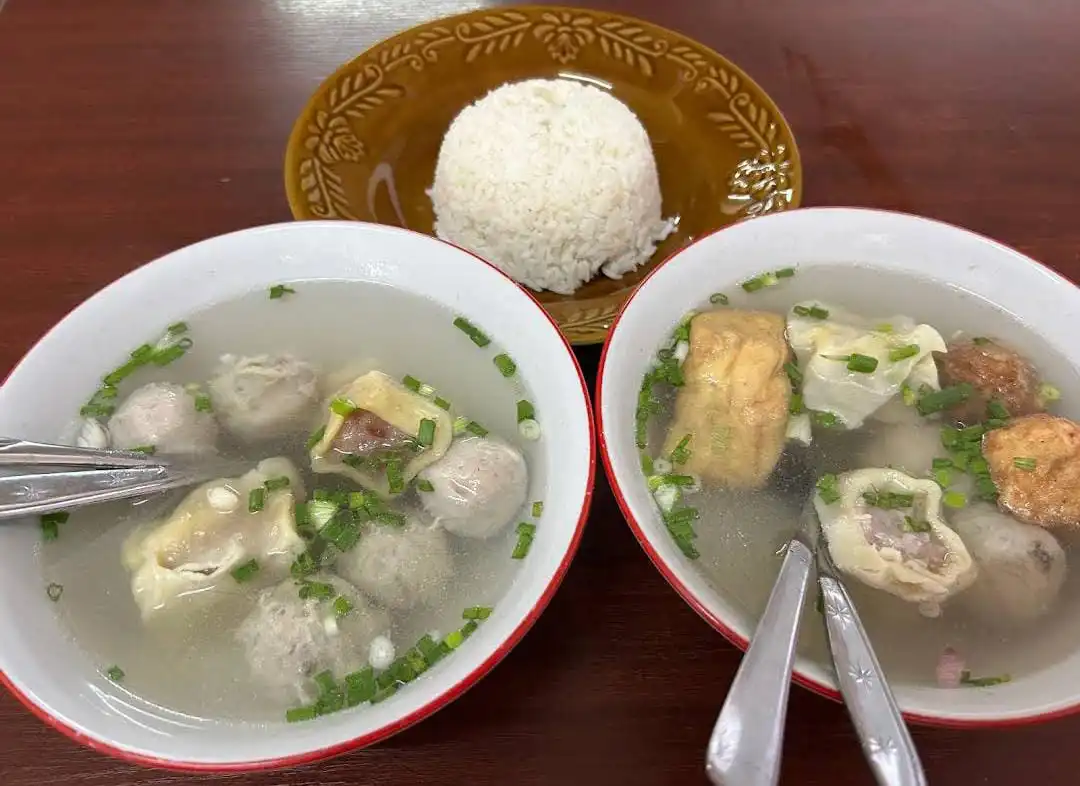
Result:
[
  {"x": 478, "y": 487},
  {"x": 910, "y": 448},
  {"x": 1021, "y": 566},
  {"x": 162, "y": 415},
  {"x": 399, "y": 567},
  {"x": 288, "y": 640},
  {"x": 263, "y": 396}
]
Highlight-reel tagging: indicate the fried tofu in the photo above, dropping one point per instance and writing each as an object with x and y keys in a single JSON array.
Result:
[{"x": 1035, "y": 463}]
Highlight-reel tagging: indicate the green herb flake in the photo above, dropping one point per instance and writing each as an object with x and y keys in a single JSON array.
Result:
[
  {"x": 954, "y": 499},
  {"x": 681, "y": 453},
  {"x": 316, "y": 437},
  {"x": 862, "y": 364},
  {"x": 888, "y": 500},
  {"x": 507, "y": 367},
  {"x": 426, "y": 433},
  {"x": 301, "y": 714},
  {"x": 115, "y": 673},
  {"x": 525, "y": 411},
  {"x": 278, "y": 291},
  {"x": 245, "y": 572},
  {"x": 477, "y": 613},
  {"x": 203, "y": 403},
  {"x": 394, "y": 478},
  {"x": 342, "y": 407},
  {"x": 412, "y": 383},
  {"x": 934, "y": 401},
  {"x": 983, "y": 682},
  {"x": 813, "y": 312},
  {"x": 1024, "y": 463},
  {"x": 424, "y": 485},
  {"x": 916, "y": 525},
  {"x": 50, "y": 524},
  {"x": 828, "y": 488},
  {"x": 342, "y": 606},
  {"x": 315, "y": 590},
  {"x": 537, "y": 509},
  {"x": 276, "y": 484},
  {"x": 474, "y": 333},
  {"x": 441, "y": 403},
  {"x": 898, "y": 354},
  {"x": 256, "y": 499},
  {"x": 475, "y": 428}
]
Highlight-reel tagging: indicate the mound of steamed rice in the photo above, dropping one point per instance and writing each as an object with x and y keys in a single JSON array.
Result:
[{"x": 553, "y": 181}]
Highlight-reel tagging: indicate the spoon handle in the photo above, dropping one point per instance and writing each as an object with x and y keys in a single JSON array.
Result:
[
  {"x": 19, "y": 452},
  {"x": 747, "y": 741},
  {"x": 884, "y": 736}
]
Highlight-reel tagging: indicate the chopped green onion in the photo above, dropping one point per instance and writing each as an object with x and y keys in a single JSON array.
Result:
[
  {"x": 507, "y": 367},
  {"x": 938, "y": 400},
  {"x": 245, "y": 572},
  {"x": 54, "y": 591},
  {"x": 203, "y": 403},
  {"x": 342, "y": 407},
  {"x": 942, "y": 463},
  {"x": 916, "y": 525},
  {"x": 825, "y": 419},
  {"x": 316, "y": 589},
  {"x": 321, "y": 511},
  {"x": 474, "y": 333},
  {"x": 862, "y": 364},
  {"x": 114, "y": 673},
  {"x": 166, "y": 356},
  {"x": 325, "y": 682},
  {"x": 279, "y": 291},
  {"x": 342, "y": 530},
  {"x": 794, "y": 375},
  {"x": 304, "y": 565},
  {"x": 276, "y": 484},
  {"x": 50, "y": 524},
  {"x": 954, "y": 499},
  {"x": 1026, "y": 464},
  {"x": 983, "y": 682},
  {"x": 888, "y": 500},
  {"x": 797, "y": 405},
  {"x": 943, "y": 477},
  {"x": 316, "y": 437},
  {"x": 996, "y": 410},
  {"x": 412, "y": 383},
  {"x": 390, "y": 518},
  {"x": 786, "y": 272},
  {"x": 256, "y": 499},
  {"x": 1048, "y": 393},
  {"x": 537, "y": 509},
  {"x": 148, "y": 450},
  {"x": 301, "y": 714},
  {"x": 342, "y": 606},
  {"x": 814, "y": 312},
  {"x": 986, "y": 489},
  {"x": 384, "y": 693},
  {"x": 681, "y": 453},
  {"x": 646, "y": 463},
  {"x": 828, "y": 488},
  {"x": 477, "y": 613},
  {"x": 719, "y": 298},
  {"x": 903, "y": 353},
  {"x": 529, "y": 429},
  {"x": 883, "y": 327},
  {"x": 441, "y": 403},
  {"x": 424, "y": 485},
  {"x": 357, "y": 500},
  {"x": 525, "y": 411},
  {"x": 394, "y": 478},
  {"x": 758, "y": 283},
  {"x": 431, "y": 652},
  {"x": 521, "y": 548},
  {"x": 426, "y": 434},
  {"x": 359, "y": 686},
  {"x": 475, "y": 428},
  {"x": 525, "y": 528},
  {"x": 907, "y": 395}
]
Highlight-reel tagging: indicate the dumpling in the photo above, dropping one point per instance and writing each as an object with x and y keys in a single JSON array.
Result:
[
  {"x": 885, "y": 529},
  {"x": 1021, "y": 566},
  {"x": 851, "y": 367},
  {"x": 301, "y": 628},
  {"x": 400, "y": 567},
  {"x": 477, "y": 487},
  {"x": 187, "y": 559},
  {"x": 911, "y": 448},
  {"x": 381, "y": 434},
  {"x": 734, "y": 403},
  {"x": 163, "y": 416},
  {"x": 264, "y": 396}
]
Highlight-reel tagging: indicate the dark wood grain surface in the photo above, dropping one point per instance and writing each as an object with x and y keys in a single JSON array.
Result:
[{"x": 131, "y": 127}]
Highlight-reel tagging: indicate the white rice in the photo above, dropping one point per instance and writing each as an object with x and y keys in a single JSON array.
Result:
[{"x": 553, "y": 181}]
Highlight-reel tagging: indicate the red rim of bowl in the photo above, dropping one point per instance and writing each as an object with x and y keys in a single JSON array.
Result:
[
  {"x": 692, "y": 600},
  {"x": 436, "y": 704}
]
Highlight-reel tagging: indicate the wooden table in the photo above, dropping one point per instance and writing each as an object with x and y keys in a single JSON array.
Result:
[{"x": 131, "y": 127}]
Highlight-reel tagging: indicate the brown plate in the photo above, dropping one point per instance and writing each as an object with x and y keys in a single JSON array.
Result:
[{"x": 365, "y": 146}]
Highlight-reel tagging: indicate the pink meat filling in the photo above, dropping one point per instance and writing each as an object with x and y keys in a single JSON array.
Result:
[
  {"x": 884, "y": 529},
  {"x": 364, "y": 434}
]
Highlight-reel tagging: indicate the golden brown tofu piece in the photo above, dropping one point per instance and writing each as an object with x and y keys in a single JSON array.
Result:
[
  {"x": 1035, "y": 463},
  {"x": 996, "y": 373},
  {"x": 735, "y": 399}
]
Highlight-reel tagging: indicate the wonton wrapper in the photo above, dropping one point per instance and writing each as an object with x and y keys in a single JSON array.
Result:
[
  {"x": 885, "y": 568},
  {"x": 380, "y": 395},
  {"x": 735, "y": 398},
  {"x": 828, "y": 385},
  {"x": 185, "y": 560}
]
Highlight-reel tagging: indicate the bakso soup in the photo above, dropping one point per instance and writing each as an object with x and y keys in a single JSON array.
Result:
[{"x": 388, "y": 488}]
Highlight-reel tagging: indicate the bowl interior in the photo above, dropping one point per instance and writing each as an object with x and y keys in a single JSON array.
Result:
[
  {"x": 366, "y": 144},
  {"x": 50, "y": 672},
  {"x": 903, "y": 264}
]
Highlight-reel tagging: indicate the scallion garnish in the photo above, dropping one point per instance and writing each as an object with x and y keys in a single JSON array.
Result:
[
  {"x": 304, "y": 565},
  {"x": 424, "y": 485},
  {"x": 342, "y": 606},
  {"x": 912, "y": 524},
  {"x": 278, "y": 291},
  {"x": 982, "y": 682},
  {"x": 149, "y": 450},
  {"x": 795, "y": 376},
  {"x": 359, "y": 686},
  {"x": 681, "y": 453},
  {"x": 537, "y": 509},
  {"x": 256, "y": 499},
  {"x": 943, "y": 477},
  {"x": 954, "y": 499},
  {"x": 888, "y": 500},
  {"x": 50, "y": 524},
  {"x": 115, "y": 673},
  {"x": 861, "y": 364},
  {"x": 996, "y": 410},
  {"x": 719, "y": 298},
  {"x": 342, "y": 406},
  {"x": 245, "y": 572},
  {"x": 390, "y": 518},
  {"x": 475, "y": 428},
  {"x": 316, "y": 590},
  {"x": 814, "y": 312},
  {"x": 506, "y": 365},
  {"x": 796, "y": 406},
  {"x": 425, "y": 435},
  {"x": 824, "y": 419},
  {"x": 342, "y": 530},
  {"x": 412, "y": 383},
  {"x": 431, "y": 652},
  {"x": 903, "y": 353},
  {"x": 300, "y": 714},
  {"x": 166, "y": 356},
  {"x": 786, "y": 272},
  {"x": 828, "y": 489},
  {"x": 203, "y": 403},
  {"x": 525, "y": 533},
  {"x": 934, "y": 401},
  {"x": 477, "y": 613},
  {"x": 394, "y": 478},
  {"x": 474, "y": 333},
  {"x": 1024, "y": 463},
  {"x": 441, "y": 403},
  {"x": 276, "y": 484},
  {"x": 525, "y": 411},
  {"x": 316, "y": 437},
  {"x": 907, "y": 395},
  {"x": 54, "y": 591},
  {"x": 758, "y": 283}
]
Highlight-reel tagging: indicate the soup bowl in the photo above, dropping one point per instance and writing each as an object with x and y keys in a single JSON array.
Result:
[
  {"x": 896, "y": 264},
  {"x": 49, "y": 672}
]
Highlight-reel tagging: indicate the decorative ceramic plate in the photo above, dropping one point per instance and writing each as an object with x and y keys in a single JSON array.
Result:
[{"x": 365, "y": 146}]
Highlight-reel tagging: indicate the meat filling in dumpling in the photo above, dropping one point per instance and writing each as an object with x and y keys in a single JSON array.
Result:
[{"x": 477, "y": 487}]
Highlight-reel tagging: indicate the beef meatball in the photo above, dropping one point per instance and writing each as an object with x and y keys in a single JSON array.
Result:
[
  {"x": 163, "y": 416},
  {"x": 477, "y": 487},
  {"x": 1035, "y": 463},
  {"x": 996, "y": 373}
]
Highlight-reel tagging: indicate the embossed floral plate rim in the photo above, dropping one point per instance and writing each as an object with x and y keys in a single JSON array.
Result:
[{"x": 768, "y": 180}]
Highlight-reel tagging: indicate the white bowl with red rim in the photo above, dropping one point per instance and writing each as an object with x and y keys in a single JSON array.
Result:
[
  {"x": 49, "y": 673},
  {"x": 881, "y": 241}
]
